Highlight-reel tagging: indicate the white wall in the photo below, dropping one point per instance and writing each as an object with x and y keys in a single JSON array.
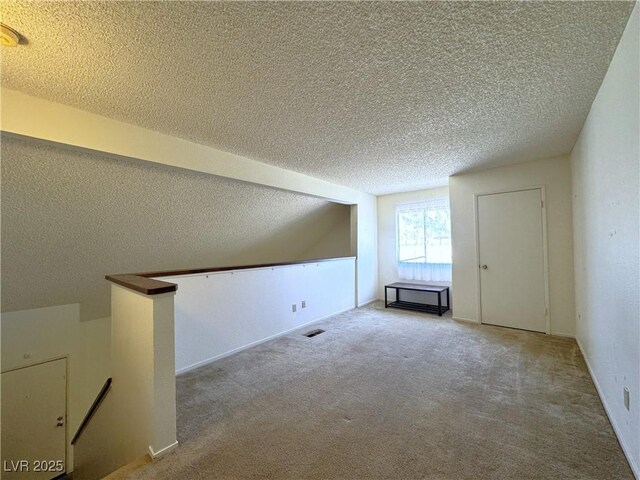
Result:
[
  {"x": 387, "y": 271},
  {"x": 46, "y": 333},
  {"x": 367, "y": 243},
  {"x": 219, "y": 313},
  {"x": 605, "y": 164},
  {"x": 336, "y": 242},
  {"x": 144, "y": 388},
  {"x": 555, "y": 174}
]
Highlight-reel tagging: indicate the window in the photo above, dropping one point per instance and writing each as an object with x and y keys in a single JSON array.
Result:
[{"x": 424, "y": 240}]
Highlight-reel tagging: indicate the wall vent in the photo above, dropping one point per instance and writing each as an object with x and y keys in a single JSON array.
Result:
[{"x": 313, "y": 333}]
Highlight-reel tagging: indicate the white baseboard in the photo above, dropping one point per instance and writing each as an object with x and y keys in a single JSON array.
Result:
[
  {"x": 162, "y": 451},
  {"x": 256, "y": 343},
  {"x": 560, "y": 334},
  {"x": 467, "y": 320},
  {"x": 367, "y": 302},
  {"x": 616, "y": 430}
]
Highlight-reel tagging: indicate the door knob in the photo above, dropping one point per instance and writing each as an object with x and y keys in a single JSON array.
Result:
[
  {"x": 60, "y": 422},
  {"x": 484, "y": 267}
]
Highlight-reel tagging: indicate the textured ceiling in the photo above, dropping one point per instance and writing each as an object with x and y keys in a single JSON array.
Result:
[
  {"x": 69, "y": 218},
  {"x": 378, "y": 96}
]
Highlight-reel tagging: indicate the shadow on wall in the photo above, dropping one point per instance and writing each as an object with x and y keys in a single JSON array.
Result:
[{"x": 70, "y": 217}]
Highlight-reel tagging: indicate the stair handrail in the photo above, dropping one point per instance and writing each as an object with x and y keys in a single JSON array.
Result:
[{"x": 92, "y": 410}]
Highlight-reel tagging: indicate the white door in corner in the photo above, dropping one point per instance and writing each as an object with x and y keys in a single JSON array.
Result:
[
  {"x": 34, "y": 421},
  {"x": 512, "y": 259}
]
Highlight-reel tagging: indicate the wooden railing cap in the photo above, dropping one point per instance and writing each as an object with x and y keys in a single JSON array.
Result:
[
  {"x": 146, "y": 282},
  {"x": 142, "y": 284}
]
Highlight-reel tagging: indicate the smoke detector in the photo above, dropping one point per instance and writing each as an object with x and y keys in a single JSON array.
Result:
[{"x": 8, "y": 36}]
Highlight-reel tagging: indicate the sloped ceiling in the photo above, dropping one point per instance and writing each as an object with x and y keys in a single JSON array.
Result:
[
  {"x": 379, "y": 96},
  {"x": 69, "y": 218}
]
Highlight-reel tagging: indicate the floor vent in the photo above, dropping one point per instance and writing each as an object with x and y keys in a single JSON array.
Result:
[{"x": 313, "y": 333}]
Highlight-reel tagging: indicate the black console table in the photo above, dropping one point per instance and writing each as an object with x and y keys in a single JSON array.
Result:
[{"x": 419, "y": 307}]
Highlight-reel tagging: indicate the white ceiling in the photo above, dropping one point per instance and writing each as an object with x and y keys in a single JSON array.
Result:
[{"x": 381, "y": 97}]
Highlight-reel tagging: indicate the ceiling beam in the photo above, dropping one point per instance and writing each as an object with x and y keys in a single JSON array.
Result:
[{"x": 29, "y": 116}]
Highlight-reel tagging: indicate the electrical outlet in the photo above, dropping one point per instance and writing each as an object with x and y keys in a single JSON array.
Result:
[
  {"x": 626, "y": 398},
  {"x": 304, "y": 304},
  {"x": 294, "y": 308}
]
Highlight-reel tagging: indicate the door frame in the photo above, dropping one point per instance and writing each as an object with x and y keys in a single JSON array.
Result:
[
  {"x": 67, "y": 452},
  {"x": 545, "y": 253}
]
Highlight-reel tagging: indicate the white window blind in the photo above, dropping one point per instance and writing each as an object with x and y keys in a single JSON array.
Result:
[{"x": 424, "y": 240}]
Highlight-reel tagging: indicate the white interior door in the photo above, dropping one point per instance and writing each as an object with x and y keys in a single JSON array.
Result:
[
  {"x": 33, "y": 421},
  {"x": 512, "y": 260}
]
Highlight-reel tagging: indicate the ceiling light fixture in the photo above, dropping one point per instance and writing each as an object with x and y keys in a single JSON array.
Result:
[{"x": 8, "y": 36}]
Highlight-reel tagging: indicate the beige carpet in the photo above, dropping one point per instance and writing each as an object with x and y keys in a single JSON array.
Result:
[{"x": 395, "y": 395}]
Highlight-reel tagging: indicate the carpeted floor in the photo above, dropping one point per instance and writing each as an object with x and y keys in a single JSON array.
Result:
[{"x": 395, "y": 395}]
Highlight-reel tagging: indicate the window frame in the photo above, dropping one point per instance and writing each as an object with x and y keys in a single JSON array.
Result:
[{"x": 426, "y": 205}]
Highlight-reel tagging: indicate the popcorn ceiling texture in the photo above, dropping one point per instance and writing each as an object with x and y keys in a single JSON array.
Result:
[
  {"x": 69, "y": 218},
  {"x": 382, "y": 97}
]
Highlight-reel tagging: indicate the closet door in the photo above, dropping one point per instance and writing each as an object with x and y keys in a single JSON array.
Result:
[
  {"x": 512, "y": 260},
  {"x": 34, "y": 421}
]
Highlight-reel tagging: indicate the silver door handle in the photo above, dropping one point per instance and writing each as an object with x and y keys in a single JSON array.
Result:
[{"x": 484, "y": 267}]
